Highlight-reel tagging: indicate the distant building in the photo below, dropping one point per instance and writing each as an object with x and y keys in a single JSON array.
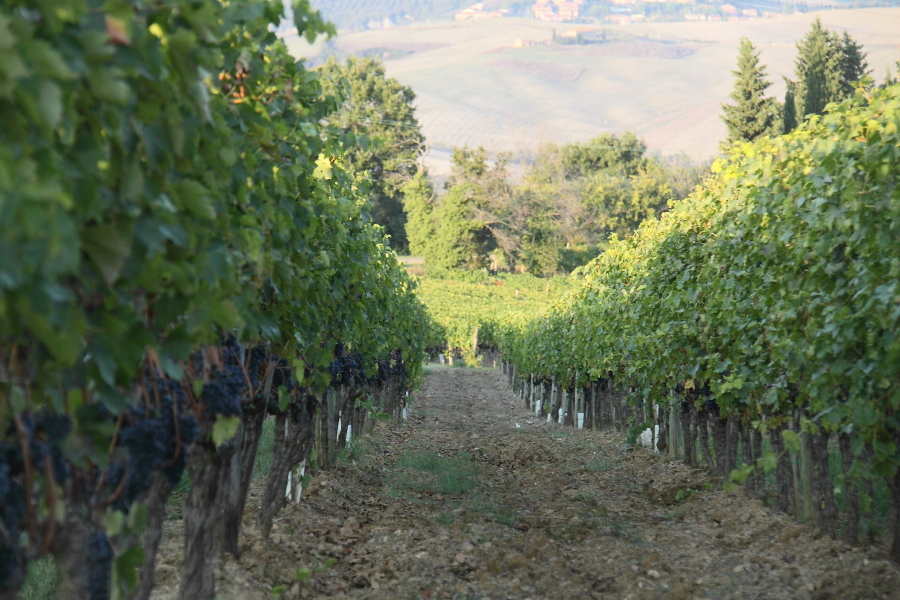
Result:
[
  {"x": 557, "y": 11},
  {"x": 619, "y": 19},
  {"x": 693, "y": 17},
  {"x": 476, "y": 11},
  {"x": 728, "y": 9},
  {"x": 750, "y": 12}
]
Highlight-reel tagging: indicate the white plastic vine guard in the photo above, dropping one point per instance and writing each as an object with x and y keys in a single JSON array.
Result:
[
  {"x": 295, "y": 482},
  {"x": 646, "y": 439}
]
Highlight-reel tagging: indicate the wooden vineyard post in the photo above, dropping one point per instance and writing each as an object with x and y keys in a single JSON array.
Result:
[{"x": 475, "y": 342}]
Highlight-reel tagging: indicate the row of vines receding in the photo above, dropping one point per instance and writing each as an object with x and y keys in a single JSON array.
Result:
[
  {"x": 182, "y": 257},
  {"x": 760, "y": 313}
]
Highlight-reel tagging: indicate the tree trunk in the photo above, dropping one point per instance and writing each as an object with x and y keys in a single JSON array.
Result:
[
  {"x": 732, "y": 436},
  {"x": 570, "y": 418},
  {"x": 662, "y": 428},
  {"x": 703, "y": 419},
  {"x": 747, "y": 456},
  {"x": 851, "y": 534},
  {"x": 202, "y": 510},
  {"x": 689, "y": 433},
  {"x": 826, "y": 509},
  {"x": 782, "y": 470},
  {"x": 252, "y": 421},
  {"x": 557, "y": 403},
  {"x": 348, "y": 410},
  {"x": 297, "y": 437},
  {"x": 894, "y": 486},
  {"x": 156, "y": 516},
  {"x": 71, "y": 556},
  {"x": 589, "y": 402},
  {"x": 758, "y": 473},
  {"x": 720, "y": 443}
]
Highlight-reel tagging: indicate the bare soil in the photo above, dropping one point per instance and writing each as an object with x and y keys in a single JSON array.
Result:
[{"x": 475, "y": 498}]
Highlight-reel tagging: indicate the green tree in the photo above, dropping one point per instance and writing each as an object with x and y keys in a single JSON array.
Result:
[
  {"x": 382, "y": 135},
  {"x": 789, "y": 112},
  {"x": 606, "y": 151},
  {"x": 461, "y": 240},
  {"x": 817, "y": 69},
  {"x": 753, "y": 115},
  {"x": 853, "y": 64},
  {"x": 825, "y": 70},
  {"x": 418, "y": 202}
]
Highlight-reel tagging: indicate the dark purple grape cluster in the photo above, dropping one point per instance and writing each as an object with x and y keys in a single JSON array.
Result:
[
  {"x": 45, "y": 433},
  {"x": 152, "y": 445},
  {"x": 156, "y": 436},
  {"x": 99, "y": 567},
  {"x": 346, "y": 368},
  {"x": 223, "y": 392},
  {"x": 12, "y": 513},
  {"x": 382, "y": 372},
  {"x": 282, "y": 375}
]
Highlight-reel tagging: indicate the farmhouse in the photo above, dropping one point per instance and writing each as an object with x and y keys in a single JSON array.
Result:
[
  {"x": 476, "y": 11},
  {"x": 557, "y": 11}
]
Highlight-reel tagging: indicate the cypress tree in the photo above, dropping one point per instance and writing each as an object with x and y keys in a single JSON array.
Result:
[
  {"x": 789, "y": 116},
  {"x": 752, "y": 116},
  {"x": 853, "y": 64},
  {"x": 818, "y": 71}
]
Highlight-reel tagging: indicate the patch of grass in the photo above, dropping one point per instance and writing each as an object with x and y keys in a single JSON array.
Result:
[
  {"x": 480, "y": 506},
  {"x": 600, "y": 464},
  {"x": 422, "y": 461},
  {"x": 266, "y": 450},
  {"x": 40, "y": 583},
  {"x": 446, "y": 519},
  {"x": 588, "y": 499},
  {"x": 559, "y": 434},
  {"x": 444, "y": 474}
]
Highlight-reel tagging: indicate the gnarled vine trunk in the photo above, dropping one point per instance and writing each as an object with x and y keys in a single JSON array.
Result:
[{"x": 294, "y": 429}]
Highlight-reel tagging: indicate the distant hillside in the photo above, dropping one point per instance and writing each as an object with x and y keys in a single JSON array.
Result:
[
  {"x": 506, "y": 85},
  {"x": 357, "y": 14}
]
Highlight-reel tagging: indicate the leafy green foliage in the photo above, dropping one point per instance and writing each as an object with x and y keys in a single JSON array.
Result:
[
  {"x": 166, "y": 182},
  {"x": 573, "y": 200},
  {"x": 775, "y": 285},
  {"x": 463, "y": 301},
  {"x": 383, "y": 137}
]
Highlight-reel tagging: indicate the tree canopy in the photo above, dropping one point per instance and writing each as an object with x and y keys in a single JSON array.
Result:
[
  {"x": 826, "y": 68},
  {"x": 752, "y": 115},
  {"x": 573, "y": 199},
  {"x": 382, "y": 135}
]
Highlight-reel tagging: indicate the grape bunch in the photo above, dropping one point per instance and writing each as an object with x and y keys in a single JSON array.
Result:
[
  {"x": 43, "y": 434},
  {"x": 99, "y": 567},
  {"x": 156, "y": 436},
  {"x": 346, "y": 368},
  {"x": 12, "y": 513}
]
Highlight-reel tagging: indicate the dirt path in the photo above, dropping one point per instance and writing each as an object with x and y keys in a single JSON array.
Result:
[{"x": 461, "y": 503}]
